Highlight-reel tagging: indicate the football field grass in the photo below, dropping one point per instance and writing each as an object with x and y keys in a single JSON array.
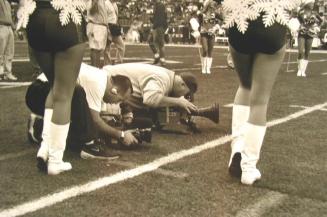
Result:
[{"x": 181, "y": 175}]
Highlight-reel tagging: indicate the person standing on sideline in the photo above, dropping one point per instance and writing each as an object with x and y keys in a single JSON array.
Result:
[
  {"x": 115, "y": 35},
  {"x": 56, "y": 33},
  {"x": 309, "y": 28},
  {"x": 159, "y": 26},
  {"x": 97, "y": 29},
  {"x": 7, "y": 41},
  {"x": 209, "y": 20},
  {"x": 257, "y": 46}
]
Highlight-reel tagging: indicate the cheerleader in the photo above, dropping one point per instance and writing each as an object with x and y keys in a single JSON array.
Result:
[
  {"x": 309, "y": 28},
  {"x": 257, "y": 38},
  {"x": 56, "y": 32},
  {"x": 208, "y": 19}
]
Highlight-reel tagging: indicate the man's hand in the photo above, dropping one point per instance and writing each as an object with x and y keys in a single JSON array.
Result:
[
  {"x": 185, "y": 104},
  {"x": 129, "y": 138}
]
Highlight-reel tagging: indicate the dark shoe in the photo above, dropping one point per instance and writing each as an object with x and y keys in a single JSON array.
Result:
[
  {"x": 156, "y": 61},
  {"x": 97, "y": 151},
  {"x": 42, "y": 165},
  {"x": 235, "y": 166}
]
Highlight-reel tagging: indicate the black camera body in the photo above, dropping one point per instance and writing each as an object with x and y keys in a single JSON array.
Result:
[{"x": 142, "y": 135}]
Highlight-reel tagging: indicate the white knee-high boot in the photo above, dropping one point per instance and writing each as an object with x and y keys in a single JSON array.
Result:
[
  {"x": 56, "y": 149},
  {"x": 304, "y": 67},
  {"x": 299, "y": 67},
  {"x": 46, "y": 140},
  {"x": 253, "y": 139},
  {"x": 203, "y": 65},
  {"x": 240, "y": 116},
  {"x": 209, "y": 63}
]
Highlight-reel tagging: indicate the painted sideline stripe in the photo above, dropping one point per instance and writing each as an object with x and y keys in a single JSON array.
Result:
[
  {"x": 302, "y": 106},
  {"x": 269, "y": 200},
  {"x": 160, "y": 171},
  {"x": 54, "y": 198}
]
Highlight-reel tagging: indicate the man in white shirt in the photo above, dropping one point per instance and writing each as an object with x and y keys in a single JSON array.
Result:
[
  {"x": 155, "y": 87},
  {"x": 94, "y": 87}
]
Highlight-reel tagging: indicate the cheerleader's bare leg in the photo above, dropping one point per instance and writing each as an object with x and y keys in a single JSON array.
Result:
[{"x": 264, "y": 72}]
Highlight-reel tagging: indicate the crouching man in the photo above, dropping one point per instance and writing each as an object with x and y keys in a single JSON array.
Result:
[
  {"x": 156, "y": 87},
  {"x": 94, "y": 87}
]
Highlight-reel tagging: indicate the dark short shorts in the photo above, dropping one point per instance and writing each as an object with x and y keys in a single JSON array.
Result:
[
  {"x": 207, "y": 35},
  {"x": 258, "y": 38},
  {"x": 115, "y": 29},
  {"x": 46, "y": 34},
  {"x": 159, "y": 36}
]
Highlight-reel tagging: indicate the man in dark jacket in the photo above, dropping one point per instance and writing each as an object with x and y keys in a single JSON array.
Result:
[{"x": 160, "y": 25}]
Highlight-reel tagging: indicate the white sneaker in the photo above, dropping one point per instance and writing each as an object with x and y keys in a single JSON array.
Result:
[
  {"x": 10, "y": 77},
  {"x": 56, "y": 168},
  {"x": 249, "y": 177}
]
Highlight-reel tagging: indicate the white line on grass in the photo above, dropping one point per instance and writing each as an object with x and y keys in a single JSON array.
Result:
[
  {"x": 325, "y": 73},
  {"x": 58, "y": 197},
  {"x": 269, "y": 200},
  {"x": 302, "y": 106},
  {"x": 198, "y": 68},
  {"x": 160, "y": 171}
]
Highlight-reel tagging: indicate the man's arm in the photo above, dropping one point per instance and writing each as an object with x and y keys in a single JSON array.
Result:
[
  {"x": 153, "y": 96},
  {"x": 180, "y": 102},
  {"x": 104, "y": 128}
]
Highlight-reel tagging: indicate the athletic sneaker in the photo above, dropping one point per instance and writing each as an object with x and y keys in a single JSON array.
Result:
[{"x": 97, "y": 151}]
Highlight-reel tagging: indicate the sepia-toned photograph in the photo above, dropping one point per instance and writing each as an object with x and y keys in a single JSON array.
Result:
[{"x": 163, "y": 108}]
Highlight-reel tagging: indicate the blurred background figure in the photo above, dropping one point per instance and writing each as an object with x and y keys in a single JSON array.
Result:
[
  {"x": 6, "y": 41},
  {"x": 209, "y": 20},
  {"x": 310, "y": 26},
  {"x": 97, "y": 29},
  {"x": 115, "y": 36},
  {"x": 157, "y": 36},
  {"x": 133, "y": 34}
]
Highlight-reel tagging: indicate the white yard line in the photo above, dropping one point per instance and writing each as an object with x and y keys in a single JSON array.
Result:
[
  {"x": 160, "y": 171},
  {"x": 58, "y": 197},
  {"x": 6, "y": 85},
  {"x": 263, "y": 204},
  {"x": 302, "y": 106}
]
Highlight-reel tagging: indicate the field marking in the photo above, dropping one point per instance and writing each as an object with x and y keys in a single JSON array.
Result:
[
  {"x": 160, "y": 171},
  {"x": 60, "y": 196},
  {"x": 324, "y": 73},
  {"x": 142, "y": 59},
  {"x": 230, "y": 105},
  {"x": 14, "y": 155},
  {"x": 198, "y": 68},
  {"x": 6, "y": 85},
  {"x": 258, "y": 209},
  {"x": 310, "y": 61},
  {"x": 302, "y": 106}
]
